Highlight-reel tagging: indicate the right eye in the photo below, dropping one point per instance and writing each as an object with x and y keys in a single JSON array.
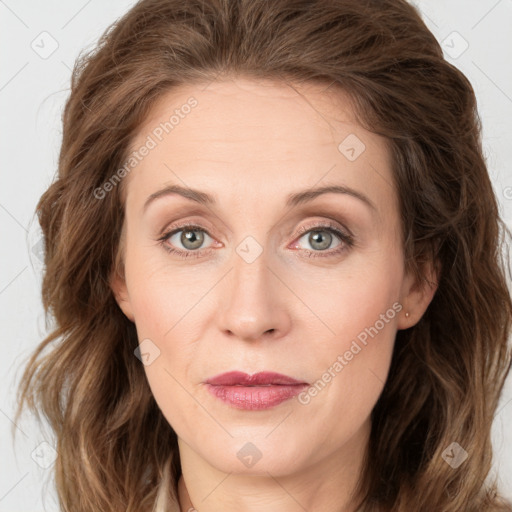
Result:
[{"x": 190, "y": 236}]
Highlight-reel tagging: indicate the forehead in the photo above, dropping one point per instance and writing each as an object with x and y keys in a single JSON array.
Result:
[
  {"x": 272, "y": 133},
  {"x": 251, "y": 104}
]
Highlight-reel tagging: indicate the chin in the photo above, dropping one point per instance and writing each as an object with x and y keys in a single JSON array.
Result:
[{"x": 258, "y": 456}]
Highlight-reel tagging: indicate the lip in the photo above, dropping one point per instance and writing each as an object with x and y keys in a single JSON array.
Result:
[
  {"x": 260, "y": 391},
  {"x": 258, "y": 379}
]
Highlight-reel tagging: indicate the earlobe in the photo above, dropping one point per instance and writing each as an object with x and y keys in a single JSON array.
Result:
[
  {"x": 417, "y": 295},
  {"x": 120, "y": 291}
]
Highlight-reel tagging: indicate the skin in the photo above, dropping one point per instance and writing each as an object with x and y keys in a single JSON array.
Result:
[{"x": 250, "y": 144}]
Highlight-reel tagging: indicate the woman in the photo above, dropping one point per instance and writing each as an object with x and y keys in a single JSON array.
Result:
[{"x": 273, "y": 257}]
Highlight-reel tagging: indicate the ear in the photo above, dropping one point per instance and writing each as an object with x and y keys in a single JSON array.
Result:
[
  {"x": 416, "y": 295},
  {"x": 120, "y": 290}
]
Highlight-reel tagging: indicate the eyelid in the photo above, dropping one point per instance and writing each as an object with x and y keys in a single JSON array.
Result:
[
  {"x": 167, "y": 231},
  {"x": 327, "y": 223}
]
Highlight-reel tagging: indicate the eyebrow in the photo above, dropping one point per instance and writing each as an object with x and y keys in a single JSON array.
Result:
[{"x": 295, "y": 199}]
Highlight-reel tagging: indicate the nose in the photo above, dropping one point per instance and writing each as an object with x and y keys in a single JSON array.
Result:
[{"x": 252, "y": 301}]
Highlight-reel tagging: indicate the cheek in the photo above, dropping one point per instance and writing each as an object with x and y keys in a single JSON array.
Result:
[
  {"x": 165, "y": 305},
  {"x": 350, "y": 376},
  {"x": 157, "y": 295},
  {"x": 352, "y": 362},
  {"x": 354, "y": 300}
]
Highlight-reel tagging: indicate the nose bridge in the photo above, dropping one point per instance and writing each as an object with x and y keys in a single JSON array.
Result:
[
  {"x": 251, "y": 304},
  {"x": 250, "y": 276}
]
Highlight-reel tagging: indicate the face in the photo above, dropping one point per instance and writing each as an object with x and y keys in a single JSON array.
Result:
[{"x": 256, "y": 271}]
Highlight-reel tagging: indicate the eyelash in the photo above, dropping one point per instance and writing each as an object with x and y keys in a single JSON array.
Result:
[{"x": 346, "y": 239}]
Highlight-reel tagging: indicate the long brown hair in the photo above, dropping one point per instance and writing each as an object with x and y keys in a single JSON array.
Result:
[{"x": 447, "y": 371}]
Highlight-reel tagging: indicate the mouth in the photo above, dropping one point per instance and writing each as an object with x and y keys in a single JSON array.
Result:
[{"x": 260, "y": 391}]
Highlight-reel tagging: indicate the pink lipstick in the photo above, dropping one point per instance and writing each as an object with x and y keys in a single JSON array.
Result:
[{"x": 254, "y": 392}]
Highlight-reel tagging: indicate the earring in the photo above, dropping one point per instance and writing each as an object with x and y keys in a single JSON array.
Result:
[{"x": 406, "y": 315}]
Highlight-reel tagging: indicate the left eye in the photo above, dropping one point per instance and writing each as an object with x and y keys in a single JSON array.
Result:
[{"x": 321, "y": 239}]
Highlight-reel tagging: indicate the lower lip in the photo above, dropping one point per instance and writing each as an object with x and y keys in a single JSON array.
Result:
[{"x": 255, "y": 397}]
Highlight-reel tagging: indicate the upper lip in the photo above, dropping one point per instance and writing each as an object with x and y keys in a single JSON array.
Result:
[{"x": 258, "y": 379}]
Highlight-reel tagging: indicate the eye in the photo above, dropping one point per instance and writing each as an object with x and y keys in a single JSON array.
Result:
[
  {"x": 321, "y": 238},
  {"x": 191, "y": 238}
]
